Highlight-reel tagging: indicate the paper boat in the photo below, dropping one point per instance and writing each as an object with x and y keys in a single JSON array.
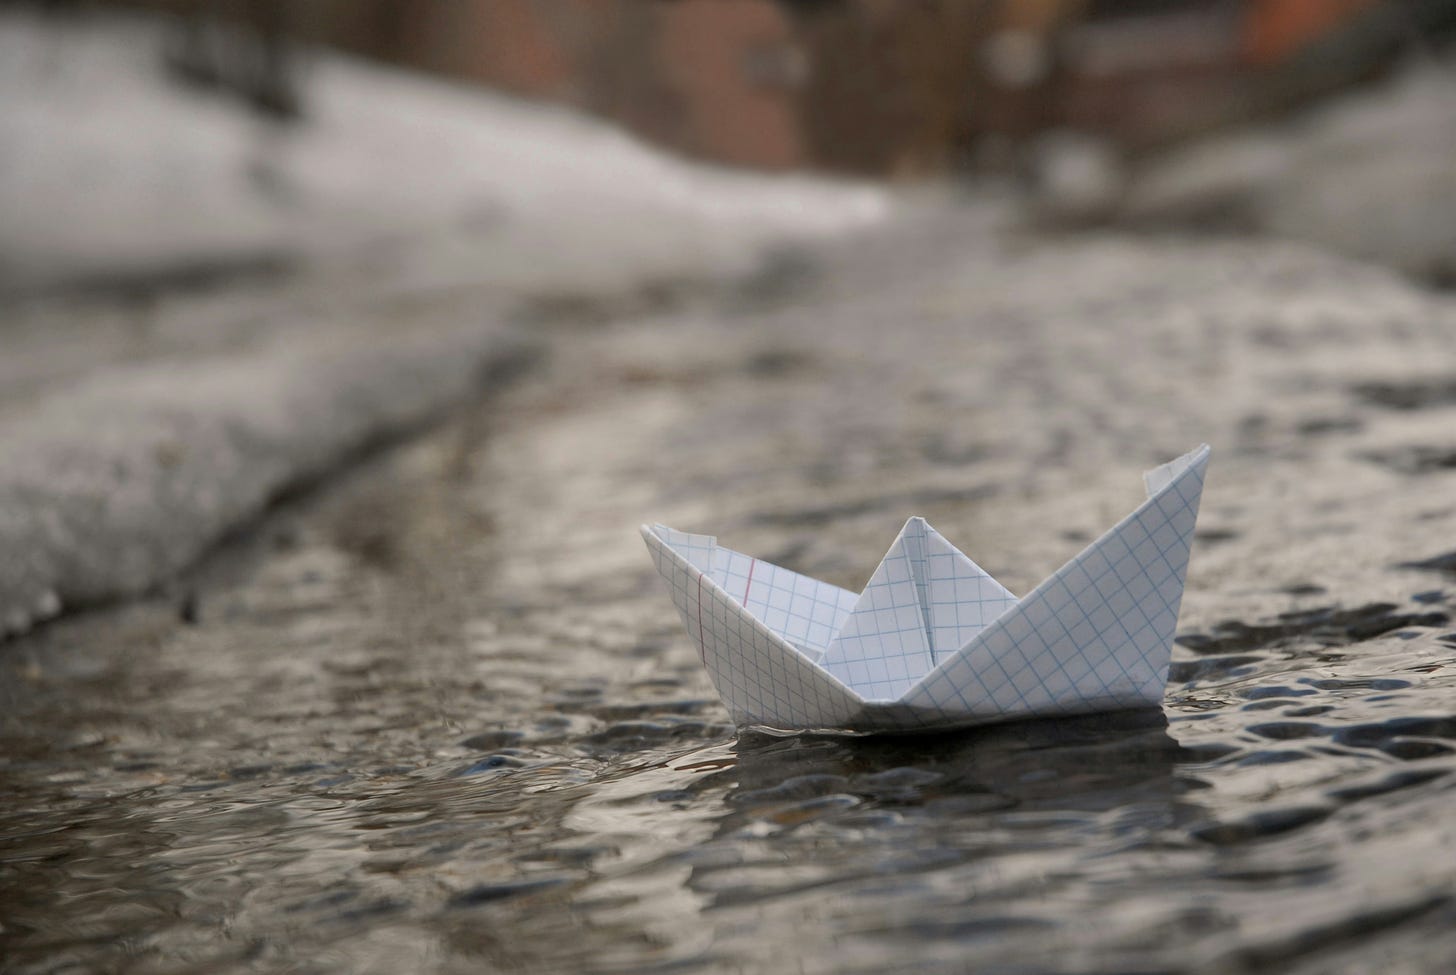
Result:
[{"x": 933, "y": 641}]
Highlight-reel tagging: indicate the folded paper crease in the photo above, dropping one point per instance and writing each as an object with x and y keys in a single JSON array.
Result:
[{"x": 934, "y": 641}]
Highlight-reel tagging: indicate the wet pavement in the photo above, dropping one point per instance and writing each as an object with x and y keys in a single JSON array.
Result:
[
  {"x": 441, "y": 717},
  {"x": 201, "y": 309}
]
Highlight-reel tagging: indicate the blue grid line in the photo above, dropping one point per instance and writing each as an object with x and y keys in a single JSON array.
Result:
[
  {"x": 1054, "y": 651},
  {"x": 883, "y": 646},
  {"x": 1059, "y": 609}
]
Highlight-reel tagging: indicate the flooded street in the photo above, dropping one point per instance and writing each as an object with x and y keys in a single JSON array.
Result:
[{"x": 440, "y": 716}]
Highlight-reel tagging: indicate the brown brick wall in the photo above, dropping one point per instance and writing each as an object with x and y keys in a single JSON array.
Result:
[{"x": 886, "y": 87}]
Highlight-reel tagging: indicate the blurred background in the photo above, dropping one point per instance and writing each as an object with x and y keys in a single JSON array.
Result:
[
  {"x": 344, "y": 344},
  {"x": 871, "y": 87},
  {"x": 1089, "y": 111}
]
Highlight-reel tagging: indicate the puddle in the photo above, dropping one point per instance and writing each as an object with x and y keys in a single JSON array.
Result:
[{"x": 442, "y": 717}]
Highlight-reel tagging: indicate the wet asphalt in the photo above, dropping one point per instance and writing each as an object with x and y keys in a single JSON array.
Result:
[{"x": 437, "y": 714}]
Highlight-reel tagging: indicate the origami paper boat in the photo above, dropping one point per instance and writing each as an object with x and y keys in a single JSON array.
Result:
[{"x": 933, "y": 641}]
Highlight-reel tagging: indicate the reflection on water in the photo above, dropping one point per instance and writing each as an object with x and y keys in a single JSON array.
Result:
[
  {"x": 375, "y": 813},
  {"x": 443, "y": 718}
]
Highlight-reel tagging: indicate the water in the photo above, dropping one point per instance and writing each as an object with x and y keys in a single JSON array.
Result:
[{"x": 441, "y": 717}]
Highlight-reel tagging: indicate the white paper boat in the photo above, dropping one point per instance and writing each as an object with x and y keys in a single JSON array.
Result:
[{"x": 933, "y": 641}]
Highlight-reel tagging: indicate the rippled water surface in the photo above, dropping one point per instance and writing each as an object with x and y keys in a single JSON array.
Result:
[{"x": 440, "y": 717}]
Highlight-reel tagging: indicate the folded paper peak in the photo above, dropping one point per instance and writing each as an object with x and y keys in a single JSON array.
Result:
[{"x": 933, "y": 641}]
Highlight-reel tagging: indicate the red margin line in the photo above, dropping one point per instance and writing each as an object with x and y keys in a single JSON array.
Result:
[
  {"x": 746, "y": 585},
  {"x": 702, "y": 646}
]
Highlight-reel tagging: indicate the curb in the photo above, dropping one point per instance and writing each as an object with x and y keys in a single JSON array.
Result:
[{"x": 119, "y": 483}]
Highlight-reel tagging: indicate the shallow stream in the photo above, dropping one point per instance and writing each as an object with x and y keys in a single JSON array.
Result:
[{"x": 440, "y": 716}]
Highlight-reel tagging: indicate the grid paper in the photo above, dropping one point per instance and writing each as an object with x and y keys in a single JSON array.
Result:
[
  {"x": 962, "y": 599},
  {"x": 1096, "y": 635},
  {"x": 924, "y": 602}
]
